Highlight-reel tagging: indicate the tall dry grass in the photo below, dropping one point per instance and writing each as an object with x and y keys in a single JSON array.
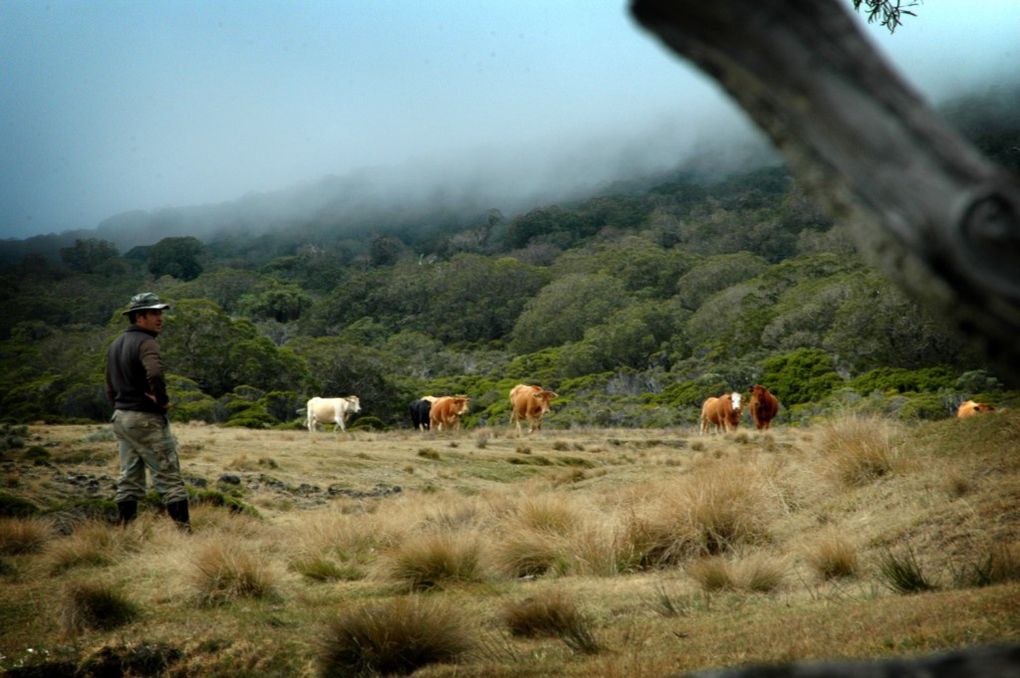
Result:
[
  {"x": 756, "y": 521},
  {"x": 556, "y": 615},
  {"x": 92, "y": 544},
  {"x": 429, "y": 561},
  {"x": 833, "y": 556},
  {"x": 394, "y": 638},
  {"x": 754, "y": 572},
  {"x": 526, "y": 552},
  {"x": 227, "y": 568},
  {"x": 94, "y": 605},
  {"x": 859, "y": 449},
  {"x": 717, "y": 508},
  {"x": 24, "y": 535}
]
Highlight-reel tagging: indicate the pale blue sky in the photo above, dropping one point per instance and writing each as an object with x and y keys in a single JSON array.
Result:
[{"x": 108, "y": 106}]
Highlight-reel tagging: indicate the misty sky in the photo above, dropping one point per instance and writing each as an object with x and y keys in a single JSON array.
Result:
[{"x": 109, "y": 106}]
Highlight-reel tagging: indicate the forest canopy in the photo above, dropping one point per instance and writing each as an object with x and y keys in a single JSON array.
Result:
[{"x": 633, "y": 305}]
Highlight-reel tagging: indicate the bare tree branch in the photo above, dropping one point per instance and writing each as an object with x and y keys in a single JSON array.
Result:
[{"x": 924, "y": 205}]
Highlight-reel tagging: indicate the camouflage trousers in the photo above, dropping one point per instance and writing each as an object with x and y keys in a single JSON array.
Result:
[{"x": 146, "y": 442}]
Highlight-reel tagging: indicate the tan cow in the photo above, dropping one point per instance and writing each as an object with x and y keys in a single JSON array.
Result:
[
  {"x": 446, "y": 412},
  {"x": 529, "y": 402},
  {"x": 969, "y": 408},
  {"x": 722, "y": 413}
]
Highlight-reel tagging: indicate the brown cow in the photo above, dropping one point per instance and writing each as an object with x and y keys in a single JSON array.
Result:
[
  {"x": 723, "y": 413},
  {"x": 446, "y": 411},
  {"x": 764, "y": 406},
  {"x": 529, "y": 402},
  {"x": 969, "y": 408}
]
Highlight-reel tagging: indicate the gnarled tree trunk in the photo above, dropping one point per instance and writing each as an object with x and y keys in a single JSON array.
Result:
[{"x": 924, "y": 205}]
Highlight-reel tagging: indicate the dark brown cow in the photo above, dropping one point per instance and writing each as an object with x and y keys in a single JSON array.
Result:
[
  {"x": 764, "y": 407},
  {"x": 723, "y": 413},
  {"x": 446, "y": 411},
  {"x": 529, "y": 402}
]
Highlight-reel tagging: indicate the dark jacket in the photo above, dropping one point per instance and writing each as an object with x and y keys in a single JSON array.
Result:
[{"x": 134, "y": 372}]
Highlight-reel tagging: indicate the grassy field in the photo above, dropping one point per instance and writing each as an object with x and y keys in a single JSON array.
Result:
[{"x": 583, "y": 553}]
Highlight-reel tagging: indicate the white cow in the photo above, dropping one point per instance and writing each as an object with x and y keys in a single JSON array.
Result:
[{"x": 331, "y": 411}]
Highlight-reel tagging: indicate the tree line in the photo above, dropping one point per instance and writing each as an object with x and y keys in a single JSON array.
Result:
[{"x": 633, "y": 305}]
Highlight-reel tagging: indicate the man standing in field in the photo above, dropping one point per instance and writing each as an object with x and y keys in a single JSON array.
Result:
[{"x": 136, "y": 388}]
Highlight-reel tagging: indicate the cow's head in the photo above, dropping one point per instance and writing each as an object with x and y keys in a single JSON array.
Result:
[
  {"x": 355, "y": 403},
  {"x": 983, "y": 407},
  {"x": 543, "y": 397},
  {"x": 461, "y": 404}
]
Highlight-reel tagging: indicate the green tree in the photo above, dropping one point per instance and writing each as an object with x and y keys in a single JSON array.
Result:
[
  {"x": 385, "y": 250},
  {"x": 338, "y": 368},
  {"x": 629, "y": 339},
  {"x": 564, "y": 309},
  {"x": 643, "y": 266},
  {"x": 92, "y": 255},
  {"x": 177, "y": 257},
  {"x": 802, "y": 376},
  {"x": 879, "y": 326},
  {"x": 280, "y": 301},
  {"x": 225, "y": 286},
  {"x": 540, "y": 222},
  {"x": 477, "y": 298},
  {"x": 202, "y": 343},
  {"x": 714, "y": 274}
]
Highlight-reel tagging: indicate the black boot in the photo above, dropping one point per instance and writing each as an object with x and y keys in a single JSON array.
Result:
[
  {"x": 128, "y": 510},
  {"x": 178, "y": 510}
]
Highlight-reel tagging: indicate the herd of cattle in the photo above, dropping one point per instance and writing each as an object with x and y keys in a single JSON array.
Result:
[{"x": 530, "y": 403}]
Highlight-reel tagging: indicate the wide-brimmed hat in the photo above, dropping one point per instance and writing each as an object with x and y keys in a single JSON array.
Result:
[{"x": 146, "y": 301}]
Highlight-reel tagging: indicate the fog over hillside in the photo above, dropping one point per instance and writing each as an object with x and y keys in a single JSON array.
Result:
[
  {"x": 167, "y": 116},
  {"x": 436, "y": 193}
]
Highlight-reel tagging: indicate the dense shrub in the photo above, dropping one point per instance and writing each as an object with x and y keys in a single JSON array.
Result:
[
  {"x": 887, "y": 379},
  {"x": 805, "y": 375}
]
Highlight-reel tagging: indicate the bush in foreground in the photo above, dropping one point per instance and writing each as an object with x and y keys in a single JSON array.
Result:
[
  {"x": 396, "y": 638},
  {"x": 95, "y": 606},
  {"x": 23, "y": 535},
  {"x": 554, "y": 615},
  {"x": 434, "y": 560},
  {"x": 833, "y": 557},
  {"x": 226, "y": 570}
]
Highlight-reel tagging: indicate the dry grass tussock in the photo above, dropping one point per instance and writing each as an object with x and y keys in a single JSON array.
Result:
[
  {"x": 95, "y": 605},
  {"x": 92, "y": 544},
  {"x": 24, "y": 535},
  {"x": 430, "y": 561},
  {"x": 859, "y": 449},
  {"x": 833, "y": 556},
  {"x": 755, "y": 572},
  {"x": 225, "y": 569},
  {"x": 716, "y": 508},
  {"x": 554, "y": 614},
  {"x": 394, "y": 638},
  {"x": 667, "y": 550}
]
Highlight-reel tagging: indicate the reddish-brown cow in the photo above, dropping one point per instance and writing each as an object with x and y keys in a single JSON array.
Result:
[
  {"x": 529, "y": 402},
  {"x": 445, "y": 412},
  {"x": 723, "y": 413},
  {"x": 969, "y": 408},
  {"x": 764, "y": 407}
]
